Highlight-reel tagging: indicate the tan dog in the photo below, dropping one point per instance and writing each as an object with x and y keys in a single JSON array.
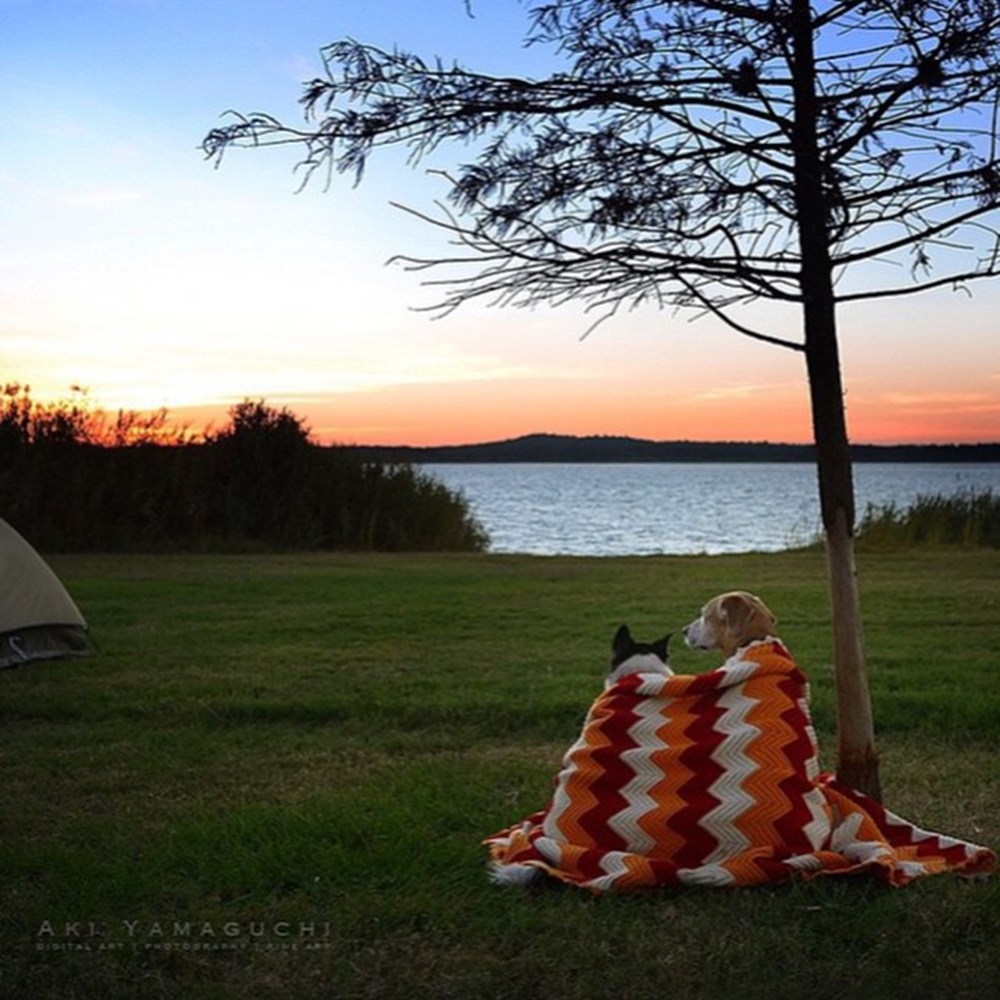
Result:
[{"x": 730, "y": 621}]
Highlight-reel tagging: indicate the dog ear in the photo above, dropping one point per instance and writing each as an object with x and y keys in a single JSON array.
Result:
[
  {"x": 747, "y": 613},
  {"x": 622, "y": 640},
  {"x": 761, "y": 611},
  {"x": 737, "y": 611},
  {"x": 661, "y": 647}
]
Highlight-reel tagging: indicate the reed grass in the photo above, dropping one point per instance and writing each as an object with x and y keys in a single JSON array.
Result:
[
  {"x": 274, "y": 778},
  {"x": 970, "y": 518}
]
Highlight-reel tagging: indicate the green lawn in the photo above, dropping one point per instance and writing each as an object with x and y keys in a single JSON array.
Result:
[{"x": 274, "y": 778}]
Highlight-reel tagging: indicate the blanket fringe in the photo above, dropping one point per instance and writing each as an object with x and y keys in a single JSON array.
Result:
[{"x": 515, "y": 874}]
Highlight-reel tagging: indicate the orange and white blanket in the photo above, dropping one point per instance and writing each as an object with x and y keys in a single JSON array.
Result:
[{"x": 713, "y": 779}]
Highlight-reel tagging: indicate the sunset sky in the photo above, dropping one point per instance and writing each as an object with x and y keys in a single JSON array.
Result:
[{"x": 131, "y": 266}]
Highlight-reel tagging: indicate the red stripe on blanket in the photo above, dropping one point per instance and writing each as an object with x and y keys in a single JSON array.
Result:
[
  {"x": 698, "y": 843},
  {"x": 613, "y": 773},
  {"x": 799, "y": 752}
]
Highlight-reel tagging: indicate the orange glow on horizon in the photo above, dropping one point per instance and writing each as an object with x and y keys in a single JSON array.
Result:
[{"x": 474, "y": 413}]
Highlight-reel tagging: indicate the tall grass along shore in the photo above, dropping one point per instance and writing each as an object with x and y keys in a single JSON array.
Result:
[
  {"x": 970, "y": 518},
  {"x": 274, "y": 778}
]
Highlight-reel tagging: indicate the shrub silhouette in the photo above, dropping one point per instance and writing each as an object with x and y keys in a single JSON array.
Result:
[{"x": 71, "y": 479}]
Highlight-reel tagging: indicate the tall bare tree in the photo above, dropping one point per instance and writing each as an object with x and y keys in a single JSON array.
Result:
[{"x": 707, "y": 154}]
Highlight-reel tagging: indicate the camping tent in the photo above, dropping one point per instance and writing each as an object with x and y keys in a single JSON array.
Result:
[{"x": 38, "y": 619}]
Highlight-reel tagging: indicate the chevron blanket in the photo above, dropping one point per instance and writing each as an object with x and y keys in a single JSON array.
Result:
[{"x": 712, "y": 779}]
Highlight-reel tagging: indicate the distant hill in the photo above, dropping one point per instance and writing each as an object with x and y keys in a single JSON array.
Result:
[{"x": 599, "y": 448}]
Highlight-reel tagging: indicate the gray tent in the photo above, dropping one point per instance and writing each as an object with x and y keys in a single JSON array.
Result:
[{"x": 38, "y": 619}]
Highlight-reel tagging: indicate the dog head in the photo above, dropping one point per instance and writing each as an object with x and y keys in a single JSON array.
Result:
[
  {"x": 631, "y": 657},
  {"x": 730, "y": 621}
]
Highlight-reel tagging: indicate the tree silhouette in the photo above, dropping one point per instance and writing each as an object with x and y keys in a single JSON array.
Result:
[{"x": 710, "y": 155}]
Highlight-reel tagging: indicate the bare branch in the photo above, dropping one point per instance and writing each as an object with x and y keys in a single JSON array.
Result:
[{"x": 661, "y": 164}]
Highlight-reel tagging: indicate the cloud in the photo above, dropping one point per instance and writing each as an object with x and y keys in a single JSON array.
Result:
[
  {"x": 163, "y": 374},
  {"x": 943, "y": 402},
  {"x": 745, "y": 391}
]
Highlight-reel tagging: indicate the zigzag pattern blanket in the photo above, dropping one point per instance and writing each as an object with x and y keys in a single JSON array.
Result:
[{"x": 713, "y": 779}]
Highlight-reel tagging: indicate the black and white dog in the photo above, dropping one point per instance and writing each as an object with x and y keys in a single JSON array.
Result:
[{"x": 631, "y": 657}]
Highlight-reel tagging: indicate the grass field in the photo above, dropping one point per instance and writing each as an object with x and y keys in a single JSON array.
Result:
[{"x": 274, "y": 778}]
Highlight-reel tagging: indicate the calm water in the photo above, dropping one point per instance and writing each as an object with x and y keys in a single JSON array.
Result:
[{"x": 643, "y": 509}]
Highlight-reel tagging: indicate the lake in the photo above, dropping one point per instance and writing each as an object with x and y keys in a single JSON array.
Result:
[{"x": 652, "y": 508}]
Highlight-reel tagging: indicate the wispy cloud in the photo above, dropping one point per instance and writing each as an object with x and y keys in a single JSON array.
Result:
[
  {"x": 943, "y": 402},
  {"x": 176, "y": 383},
  {"x": 755, "y": 390}
]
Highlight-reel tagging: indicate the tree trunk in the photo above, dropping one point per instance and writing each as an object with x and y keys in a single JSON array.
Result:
[{"x": 857, "y": 761}]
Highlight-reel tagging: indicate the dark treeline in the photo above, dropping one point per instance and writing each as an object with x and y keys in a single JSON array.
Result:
[
  {"x": 567, "y": 448},
  {"x": 73, "y": 479}
]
